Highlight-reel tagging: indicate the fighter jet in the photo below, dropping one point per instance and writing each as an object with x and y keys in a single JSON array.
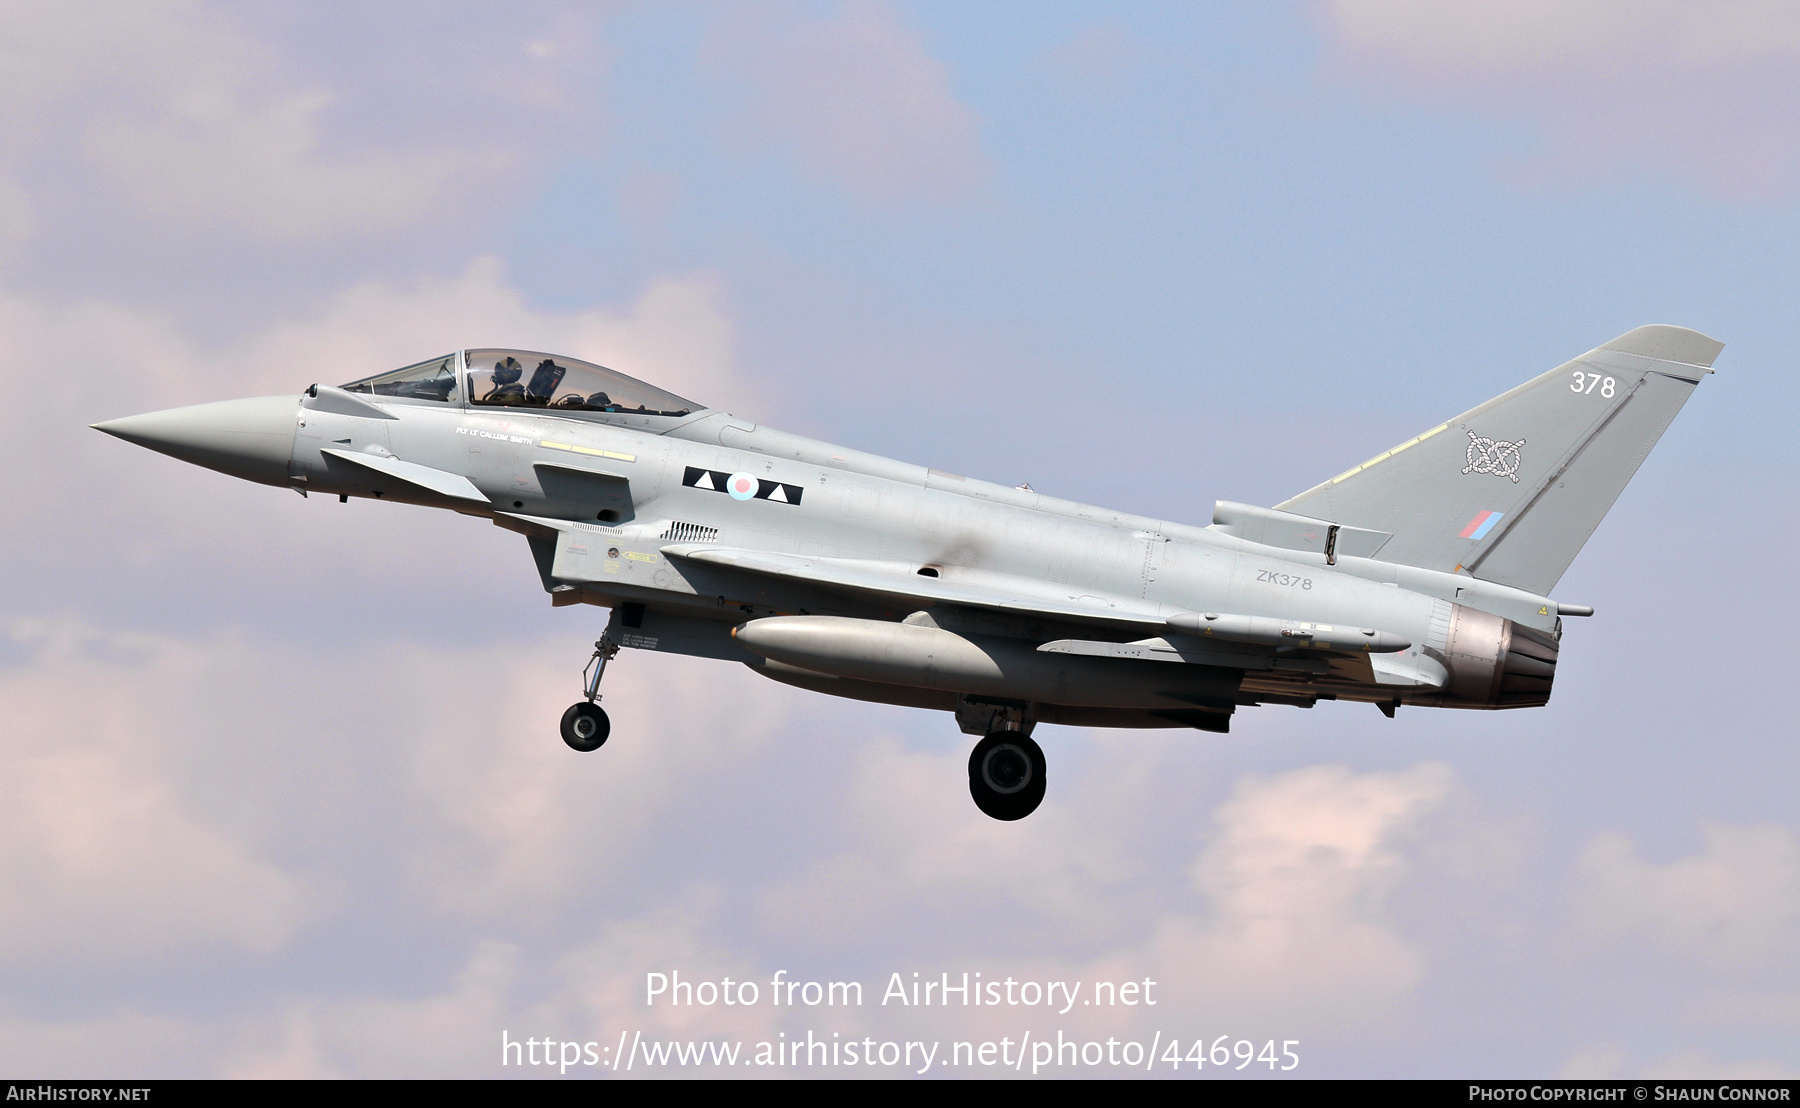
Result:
[{"x": 1420, "y": 577}]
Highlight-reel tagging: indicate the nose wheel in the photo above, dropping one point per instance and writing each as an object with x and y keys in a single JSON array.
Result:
[
  {"x": 585, "y": 726},
  {"x": 1006, "y": 775}
]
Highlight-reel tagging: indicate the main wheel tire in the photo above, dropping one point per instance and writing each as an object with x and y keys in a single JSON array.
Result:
[
  {"x": 1006, "y": 775},
  {"x": 585, "y": 726}
]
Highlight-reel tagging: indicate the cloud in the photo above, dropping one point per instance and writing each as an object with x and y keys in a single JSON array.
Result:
[
  {"x": 1735, "y": 904},
  {"x": 1287, "y": 932},
  {"x": 510, "y": 824},
  {"x": 101, "y": 856},
  {"x": 17, "y": 219},
  {"x": 203, "y": 123},
  {"x": 1299, "y": 876},
  {"x": 855, "y": 98},
  {"x": 922, "y": 847},
  {"x": 1755, "y": 1009},
  {"x": 1594, "y": 1063},
  {"x": 126, "y": 832},
  {"x": 443, "y": 1035},
  {"x": 124, "y": 1046},
  {"x": 1286, "y": 916},
  {"x": 676, "y": 334},
  {"x": 103, "y": 830},
  {"x": 1609, "y": 1061},
  {"x": 98, "y": 360},
  {"x": 1284, "y": 930},
  {"x": 211, "y": 156},
  {"x": 1695, "y": 1065},
  {"x": 1498, "y": 35},
  {"x": 605, "y": 985},
  {"x": 1697, "y": 90},
  {"x": 176, "y": 108},
  {"x": 596, "y": 994}
]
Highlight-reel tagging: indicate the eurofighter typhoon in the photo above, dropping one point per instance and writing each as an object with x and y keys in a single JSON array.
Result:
[{"x": 1420, "y": 577}]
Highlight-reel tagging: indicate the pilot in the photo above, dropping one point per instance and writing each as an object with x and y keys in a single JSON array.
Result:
[{"x": 507, "y": 389}]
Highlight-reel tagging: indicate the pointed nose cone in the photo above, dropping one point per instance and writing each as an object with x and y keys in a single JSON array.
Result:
[{"x": 252, "y": 439}]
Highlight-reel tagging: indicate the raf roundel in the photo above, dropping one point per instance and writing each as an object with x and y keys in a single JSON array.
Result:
[{"x": 741, "y": 486}]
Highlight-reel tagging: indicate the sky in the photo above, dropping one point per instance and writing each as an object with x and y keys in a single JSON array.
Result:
[{"x": 280, "y": 787}]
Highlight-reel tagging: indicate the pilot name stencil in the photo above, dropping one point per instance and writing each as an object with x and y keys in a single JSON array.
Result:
[
  {"x": 737, "y": 485},
  {"x": 480, "y": 434},
  {"x": 1494, "y": 456}
]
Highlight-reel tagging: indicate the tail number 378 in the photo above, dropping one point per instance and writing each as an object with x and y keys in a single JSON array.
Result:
[{"x": 1585, "y": 383}]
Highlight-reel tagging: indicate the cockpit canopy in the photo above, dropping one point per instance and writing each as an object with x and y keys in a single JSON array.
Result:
[{"x": 526, "y": 379}]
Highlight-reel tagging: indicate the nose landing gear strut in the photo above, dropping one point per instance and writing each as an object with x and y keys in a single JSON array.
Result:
[{"x": 585, "y": 726}]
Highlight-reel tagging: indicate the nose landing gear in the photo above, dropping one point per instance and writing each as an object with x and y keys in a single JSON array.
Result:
[
  {"x": 585, "y": 726},
  {"x": 1006, "y": 775}
]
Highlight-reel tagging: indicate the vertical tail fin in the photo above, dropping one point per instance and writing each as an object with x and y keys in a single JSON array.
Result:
[{"x": 1511, "y": 490}]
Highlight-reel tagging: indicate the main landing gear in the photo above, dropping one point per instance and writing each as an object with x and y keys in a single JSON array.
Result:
[
  {"x": 585, "y": 726},
  {"x": 1006, "y": 775}
]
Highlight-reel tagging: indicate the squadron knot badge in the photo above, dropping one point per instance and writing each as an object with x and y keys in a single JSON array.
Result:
[{"x": 1493, "y": 456}]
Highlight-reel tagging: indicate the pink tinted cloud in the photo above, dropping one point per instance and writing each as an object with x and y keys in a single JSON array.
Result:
[
  {"x": 1704, "y": 92},
  {"x": 855, "y": 98},
  {"x": 100, "y": 360},
  {"x": 1291, "y": 921},
  {"x": 209, "y": 126}
]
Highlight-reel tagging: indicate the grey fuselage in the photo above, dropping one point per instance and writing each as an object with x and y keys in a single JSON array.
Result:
[
  {"x": 991, "y": 598},
  {"x": 1415, "y": 577},
  {"x": 1075, "y": 612}
]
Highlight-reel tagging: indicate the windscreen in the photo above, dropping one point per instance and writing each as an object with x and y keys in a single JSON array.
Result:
[
  {"x": 526, "y": 379},
  {"x": 432, "y": 380}
]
